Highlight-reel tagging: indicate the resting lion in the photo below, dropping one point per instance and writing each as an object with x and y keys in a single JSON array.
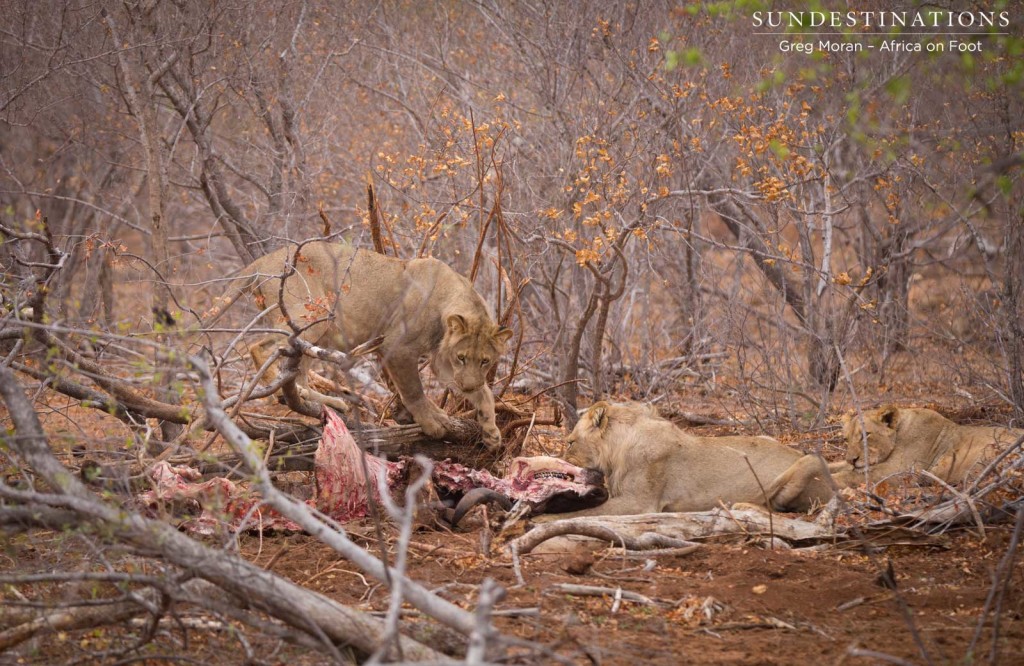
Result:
[
  {"x": 421, "y": 307},
  {"x": 650, "y": 465},
  {"x": 904, "y": 439}
]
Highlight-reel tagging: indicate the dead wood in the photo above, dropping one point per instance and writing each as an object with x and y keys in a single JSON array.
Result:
[
  {"x": 595, "y": 591},
  {"x": 590, "y": 527},
  {"x": 20, "y": 625},
  {"x": 305, "y": 611},
  {"x": 287, "y": 456},
  {"x": 462, "y": 443},
  {"x": 649, "y": 528},
  {"x": 68, "y": 619},
  {"x": 681, "y": 417},
  {"x": 327, "y": 532}
]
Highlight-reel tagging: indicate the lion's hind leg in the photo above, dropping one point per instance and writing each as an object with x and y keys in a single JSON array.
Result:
[{"x": 804, "y": 485}]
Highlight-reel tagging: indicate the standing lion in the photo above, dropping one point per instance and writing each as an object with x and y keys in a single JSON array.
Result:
[{"x": 343, "y": 297}]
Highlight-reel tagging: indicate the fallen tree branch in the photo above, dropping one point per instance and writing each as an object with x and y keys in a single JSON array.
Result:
[
  {"x": 971, "y": 506},
  {"x": 596, "y": 529},
  {"x": 125, "y": 394},
  {"x": 649, "y": 528},
  {"x": 69, "y": 619},
  {"x": 595, "y": 591},
  {"x": 317, "y": 526},
  {"x": 29, "y": 623},
  {"x": 332, "y": 623}
]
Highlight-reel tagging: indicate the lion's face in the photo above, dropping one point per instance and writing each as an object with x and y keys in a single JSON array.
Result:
[
  {"x": 471, "y": 349},
  {"x": 880, "y": 427},
  {"x": 586, "y": 437}
]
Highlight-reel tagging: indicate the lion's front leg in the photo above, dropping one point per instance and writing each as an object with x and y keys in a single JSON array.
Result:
[
  {"x": 405, "y": 375},
  {"x": 844, "y": 475},
  {"x": 482, "y": 400},
  {"x": 805, "y": 484}
]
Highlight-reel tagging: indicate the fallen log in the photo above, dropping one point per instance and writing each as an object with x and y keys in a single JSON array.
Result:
[
  {"x": 463, "y": 445},
  {"x": 655, "y": 527}
]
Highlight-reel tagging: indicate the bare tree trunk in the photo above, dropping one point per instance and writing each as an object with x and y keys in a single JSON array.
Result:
[
  {"x": 894, "y": 290},
  {"x": 1013, "y": 307},
  {"x": 139, "y": 92}
]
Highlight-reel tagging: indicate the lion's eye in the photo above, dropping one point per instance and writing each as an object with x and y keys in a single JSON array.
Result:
[
  {"x": 485, "y": 362},
  {"x": 462, "y": 359}
]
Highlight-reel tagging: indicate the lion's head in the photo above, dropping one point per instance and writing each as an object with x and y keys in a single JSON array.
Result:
[
  {"x": 605, "y": 432},
  {"x": 471, "y": 347},
  {"x": 880, "y": 426}
]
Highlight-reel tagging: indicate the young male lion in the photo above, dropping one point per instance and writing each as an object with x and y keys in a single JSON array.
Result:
[
  {"x": 344, "y": 297},
  {"x": 650, "y": 465},
  {"x": 904, "y": 439}
]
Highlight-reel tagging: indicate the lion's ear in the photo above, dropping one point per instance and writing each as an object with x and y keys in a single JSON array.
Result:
[
  {"x": 889, "y": 416},
  {"x": 456, "y": 324},
  {"x": 503, "y": 334},
  {"x": 599, "y": 415}
]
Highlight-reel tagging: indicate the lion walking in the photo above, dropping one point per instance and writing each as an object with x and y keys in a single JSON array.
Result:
[{"x": 343, "y": 297}]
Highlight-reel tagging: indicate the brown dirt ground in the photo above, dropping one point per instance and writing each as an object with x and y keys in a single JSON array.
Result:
[
  {"x": 768, "y": 607},
  {"x": 765, "y": 607}
]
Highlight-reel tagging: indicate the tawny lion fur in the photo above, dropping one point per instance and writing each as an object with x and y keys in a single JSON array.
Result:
[
  {"x": 905, "y": 439},
  {"x": 421, "y": 307},
  {"x": 651, "y": 466}
]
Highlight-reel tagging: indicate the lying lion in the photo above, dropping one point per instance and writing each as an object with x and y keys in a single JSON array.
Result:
[
  {"x": 650, "y": 465},
  {"x": 905, "y": 439},
  {"x": 344, "y": 297}
]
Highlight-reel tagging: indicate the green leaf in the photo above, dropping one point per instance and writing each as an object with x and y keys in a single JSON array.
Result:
[
  {"x": 692, "y": 57},
  {"x": 671, "y": 60},
  {"x": 779, "y": 148},
  {"x": 1005, "y": 184},
  {"x": 899, "y": 88}
]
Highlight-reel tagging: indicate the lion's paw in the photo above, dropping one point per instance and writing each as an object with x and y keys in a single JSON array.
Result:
[
  {"x": 492, "y": 436},
  {"x": 435, "y": 424}
]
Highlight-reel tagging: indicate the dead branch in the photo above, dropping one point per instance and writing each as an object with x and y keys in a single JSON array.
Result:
[
  {"x": 328, "y": 533},
  {"x": 657, "y": 530},
  {"x": 462, "y": 442},
  {"x": 405, "y": 519},
  {"x": 596, "y": 528},
  {"x": 68, "y": 619},
  {"x": 87, "y": 397},
  {"x": 126, "y": 395},
  {"x": 490, "y": 594},
  {"x": 596, "y": 591},
  {"x": 997, "y": 592},
  {"x": 306, "y": 611},
  {"x": 374, "y": 215},
  {"x": 29, "y": 624},
  {"x": 692, "y": 418},
  {"x": 294, "y": 451}
]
